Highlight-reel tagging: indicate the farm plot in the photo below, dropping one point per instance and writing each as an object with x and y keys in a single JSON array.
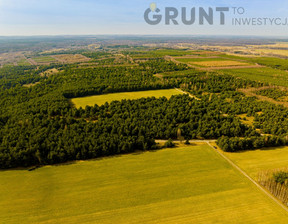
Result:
[
  {"x": 71, "y": 58},
  {"x": 102, "y": 99},
  {"x": 264, "y": 74},
  {"x": 44, "y": 60},
  {"x": 180, "y": 185},
  {"x": 219, "y": 63}
]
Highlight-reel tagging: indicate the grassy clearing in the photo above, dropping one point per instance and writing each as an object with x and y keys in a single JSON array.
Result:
[
  {"x": 102, "y": 99},
  {"x": 246, "y": 120},
  {"x": 44, "y": 59},
  {"x": 266, "y": 75},
  {"x": 180, "y": 185}
]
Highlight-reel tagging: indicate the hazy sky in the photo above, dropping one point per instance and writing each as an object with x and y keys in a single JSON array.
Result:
[{"x": 57, "y": 17}]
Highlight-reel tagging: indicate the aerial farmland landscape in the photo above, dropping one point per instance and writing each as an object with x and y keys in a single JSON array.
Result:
[{"x": 151, "y": 115}]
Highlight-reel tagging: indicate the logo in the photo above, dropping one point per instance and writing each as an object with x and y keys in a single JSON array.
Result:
[
  {"x": 186, "y": 16},
  {"x": 209, "y": 15}
]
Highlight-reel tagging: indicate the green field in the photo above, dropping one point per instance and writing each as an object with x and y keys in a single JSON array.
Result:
[
  {"x": 157, "y": 53},
  {"x": 265, "y": 74},
  {"x": 191, "y": 60},
  {"x": 102, "y": 99},
  {"x": 254, "y": 162},
  {"x": 181, "y": 185},
  {"x": 44, "y": 59}
]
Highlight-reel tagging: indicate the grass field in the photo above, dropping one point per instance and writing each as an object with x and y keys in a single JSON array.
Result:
[
  {"x": 44, "y": 59},
  {"x": 212, "y": 62},
  {"x": 102, "y": 99},
  {"x": 181, "y": 185},
  {"x": 219, "y": 63},
  {"x": 254, "y": 162},
  {"x": 192, "y": 60},
  {"x": 265, "y": 74},
  {"x": 158, "y": 53}
]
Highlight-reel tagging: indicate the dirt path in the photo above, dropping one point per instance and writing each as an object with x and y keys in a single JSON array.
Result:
[
  {"x": 208, "y": 142},
  {"x": 181, "y": 91},
  {"x": 31, "y": 61},
  {"x": 247, "y": 176}
]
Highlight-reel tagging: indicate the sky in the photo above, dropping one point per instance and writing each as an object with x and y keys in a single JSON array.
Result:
[{"x": 126, "y": 17}]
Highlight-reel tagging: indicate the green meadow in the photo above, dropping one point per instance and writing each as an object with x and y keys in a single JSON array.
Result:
[
  {"x": 190, "y": 184},
  {"x": 256, "y": 161},
  {"x": 102, "y": 99}
]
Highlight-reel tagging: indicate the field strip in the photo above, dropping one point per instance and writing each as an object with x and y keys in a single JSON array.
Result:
[
  {"x": 246, "y": 175},
  {"x": 232, "y": 67},
  {"x": 195, "y": 56},
  {"x": 169, "y": 58}
]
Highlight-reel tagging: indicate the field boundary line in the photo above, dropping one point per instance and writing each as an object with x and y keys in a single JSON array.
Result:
[{"x": 250, "y": 178}]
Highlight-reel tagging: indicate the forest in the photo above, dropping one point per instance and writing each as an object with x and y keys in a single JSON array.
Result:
[{"x": 39, "y": 125}]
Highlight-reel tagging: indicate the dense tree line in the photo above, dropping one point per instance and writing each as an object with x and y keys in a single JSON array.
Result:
[
  {"x": 119, "y": 127},
  {"x": 237, "y": 144}
]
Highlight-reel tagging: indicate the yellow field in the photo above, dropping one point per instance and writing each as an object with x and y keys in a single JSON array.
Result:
[
  {"x": 256, "y": 161},
  {"x": 182, "y": 185},
  {"x": 102, "y": 99},
  {"x": 219, "y": 63}
]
